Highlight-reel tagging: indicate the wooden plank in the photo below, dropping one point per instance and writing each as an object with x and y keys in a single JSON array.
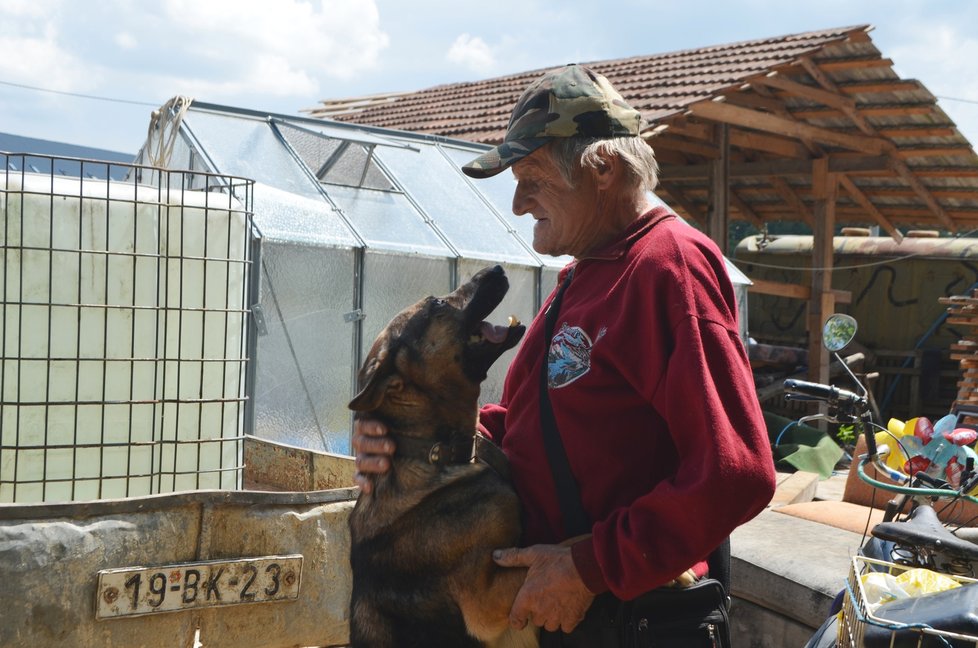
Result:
[
  {"x": 692, "y": 209},
  {"x": 875, "y": 110},
  {"x": 824, "y": 97},
  {"x": 870, "y": 208},
  {"x": 702, "y": 149},
  {"x": 770, "y": 123},
  {"x": 745, "y": 210},
  {"x": 839, "y": 65},
  {"x": 793, "y": 291},
  {"x": 756, "y": 141},
  {"x": 934, "y": 151},
  {"x": 904, "y": 172},
  {"x": 880, "y": 86},
  {"x": 837, "y": 164},
  {"x": 916, "y": 131},
  {"x": 787, "y": 193}
]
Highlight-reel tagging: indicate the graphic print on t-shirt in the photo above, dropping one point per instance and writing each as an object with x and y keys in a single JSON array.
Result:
[{"x": 569, "y": 356}]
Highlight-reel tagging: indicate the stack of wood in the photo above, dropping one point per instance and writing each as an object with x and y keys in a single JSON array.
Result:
[{"x": 963, "y": 312}]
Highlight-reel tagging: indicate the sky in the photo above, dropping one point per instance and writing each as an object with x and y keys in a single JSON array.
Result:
[{"x": 91, "y": 73}]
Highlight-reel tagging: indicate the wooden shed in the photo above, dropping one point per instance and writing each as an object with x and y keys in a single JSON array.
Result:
[{"x": 814, "y": 127}]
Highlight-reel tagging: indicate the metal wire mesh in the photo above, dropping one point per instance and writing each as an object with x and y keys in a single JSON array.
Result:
[{"x": 124, "y": 329}]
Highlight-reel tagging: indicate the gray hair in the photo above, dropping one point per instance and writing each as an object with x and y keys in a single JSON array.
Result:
[{"x": 571, "y": 154}]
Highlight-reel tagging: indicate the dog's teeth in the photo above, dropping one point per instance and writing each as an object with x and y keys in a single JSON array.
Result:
[
  {"x": 475, "y": 338},
  {"x": 513, "y": 321}
]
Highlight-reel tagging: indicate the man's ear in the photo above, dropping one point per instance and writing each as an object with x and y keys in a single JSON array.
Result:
[{"x": 606, "y": 171}]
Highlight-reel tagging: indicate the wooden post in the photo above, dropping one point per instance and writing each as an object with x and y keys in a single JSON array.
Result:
[
  {"x": 718, "y": 220},
  {"x": 825, "y": 188}
]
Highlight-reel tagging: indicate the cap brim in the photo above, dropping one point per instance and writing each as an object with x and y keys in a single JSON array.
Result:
[{"x": 499, "y": 158}]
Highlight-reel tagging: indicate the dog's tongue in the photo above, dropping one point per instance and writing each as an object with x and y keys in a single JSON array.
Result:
[{"x": 495, "y": 334}]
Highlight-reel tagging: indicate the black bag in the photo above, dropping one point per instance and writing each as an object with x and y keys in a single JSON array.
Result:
[
  {"x": 691, "y": 617},
  {"x": 668, "y": 617}
]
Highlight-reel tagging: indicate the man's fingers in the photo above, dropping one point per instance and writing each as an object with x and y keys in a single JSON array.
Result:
[{"x": 510, "y": 558}]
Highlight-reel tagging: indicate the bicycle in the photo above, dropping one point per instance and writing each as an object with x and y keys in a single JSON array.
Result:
[{"x": 919, "y": 475}]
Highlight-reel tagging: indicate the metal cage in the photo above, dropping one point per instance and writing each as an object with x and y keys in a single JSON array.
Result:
[{"x": 124, "y": 328}]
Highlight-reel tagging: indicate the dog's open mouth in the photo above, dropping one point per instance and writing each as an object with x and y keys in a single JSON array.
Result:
[{"x": 494, "y": 333}]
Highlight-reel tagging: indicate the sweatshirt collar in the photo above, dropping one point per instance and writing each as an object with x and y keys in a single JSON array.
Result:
[{"x": 618, "y": 247}]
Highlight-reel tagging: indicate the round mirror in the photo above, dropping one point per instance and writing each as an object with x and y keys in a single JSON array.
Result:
[{"x": 838, "y": 332}]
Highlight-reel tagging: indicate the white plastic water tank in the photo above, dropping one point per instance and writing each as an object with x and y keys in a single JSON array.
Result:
[{"x": 123, "y": 316}]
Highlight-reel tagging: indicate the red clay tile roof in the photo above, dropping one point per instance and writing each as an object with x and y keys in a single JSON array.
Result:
[
  {"x": 783, "y": 102},
  {"x": 659, "y": 85}
]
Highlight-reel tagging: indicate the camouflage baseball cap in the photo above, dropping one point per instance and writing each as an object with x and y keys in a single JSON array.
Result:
[{"x": 572, "y": 101}]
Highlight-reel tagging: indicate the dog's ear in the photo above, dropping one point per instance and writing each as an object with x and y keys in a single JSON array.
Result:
[
  {"x": 381, "y": 380},
  {"x": 375, "y": 391}
]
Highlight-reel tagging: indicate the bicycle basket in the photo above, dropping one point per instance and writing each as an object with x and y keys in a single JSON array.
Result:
[{"x": 861, "y": 628}]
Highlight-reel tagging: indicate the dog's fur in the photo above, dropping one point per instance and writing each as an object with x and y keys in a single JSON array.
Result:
[{"x": 422, "y": 541}]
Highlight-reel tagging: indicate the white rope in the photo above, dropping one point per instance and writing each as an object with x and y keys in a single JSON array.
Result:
[{"x": 164, "y": 128}]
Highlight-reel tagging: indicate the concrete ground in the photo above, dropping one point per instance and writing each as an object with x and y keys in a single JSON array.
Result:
[{"x": 786, "y": 570}]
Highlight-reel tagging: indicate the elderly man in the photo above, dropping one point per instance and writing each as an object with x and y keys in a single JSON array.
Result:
[{"x": 647, "y": 425}]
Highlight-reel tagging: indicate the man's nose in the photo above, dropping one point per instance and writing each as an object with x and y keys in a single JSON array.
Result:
[{"x": 521, "y": 203}]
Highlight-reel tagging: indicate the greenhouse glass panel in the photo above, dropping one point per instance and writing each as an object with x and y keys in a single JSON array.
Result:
[
  {"x": 335, "y": 160},
  {"x": 305, "y": 358},
  {"x": 442, "y": 193},
  {"x": 289, "y": 217},
  {"x": 393, "y": 282},
  {"x": 498, "y": 190},
  {"x": 388, "y": 221},
  {"x": 248, "y": 147}
]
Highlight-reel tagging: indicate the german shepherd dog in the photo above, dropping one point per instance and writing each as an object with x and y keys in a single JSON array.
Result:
[{"x": 422, "y": 541}]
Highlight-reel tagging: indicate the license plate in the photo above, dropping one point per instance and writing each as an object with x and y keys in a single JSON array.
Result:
[{"x": 133, "y": 591}]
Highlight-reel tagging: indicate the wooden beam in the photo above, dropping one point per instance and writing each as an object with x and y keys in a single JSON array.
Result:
[
  {"x": 814, "y": 150},
  {"x": 745, "y": 210},
  {"x": 916, "y": 130},
  {"x": 837, "y": 164},
  {"x": 870, "y": 208},
  {"x": 755, "y": 100},
  {"x": 756, "y": 141},
  {"x": 789, "y": 196},
  {"x": 839, "y": 65},
  {"x": 941, "y": 150},
  {"x": 702, "y": 149},
  {"x": 898, "y": 165},
  {"x": 822, "y": 303},
  {"x": 793, "y": 291},
  {"x": 718, "y": 218},
  {"x": 695, "y": 129},
  {"x": 874, "y": 110},
  {"x": 692, "y": 209},
  {"x": 823, "y": 97},
  {"x": 882, "y": 86},
  {"x": 828, "y": 84},
  {"x": 901, "y": 168},
  {"x": 770, "y": 123}
]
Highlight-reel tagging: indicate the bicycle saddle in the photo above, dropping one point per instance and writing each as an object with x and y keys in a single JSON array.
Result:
[{"x": 924, "y": 529}]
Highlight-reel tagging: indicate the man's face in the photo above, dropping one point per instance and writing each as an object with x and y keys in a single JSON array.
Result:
[{"x": 568, "y": 219}]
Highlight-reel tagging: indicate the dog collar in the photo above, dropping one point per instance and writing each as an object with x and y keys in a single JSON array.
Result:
[{"x": 438, "y": 453}]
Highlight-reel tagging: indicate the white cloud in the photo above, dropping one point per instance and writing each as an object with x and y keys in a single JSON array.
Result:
[
  {"x": 282, "y": 49},
  {"x": 126, "y": 40},
  {"x": 33, "y": 54},
  {"x": 473, "y": 53}
]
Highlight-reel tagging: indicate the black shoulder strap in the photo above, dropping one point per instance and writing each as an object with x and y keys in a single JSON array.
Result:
[{"x": 575, "y": 519}]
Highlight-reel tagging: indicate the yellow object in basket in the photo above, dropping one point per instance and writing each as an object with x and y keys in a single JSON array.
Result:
[{"x": 919, "y": 581}]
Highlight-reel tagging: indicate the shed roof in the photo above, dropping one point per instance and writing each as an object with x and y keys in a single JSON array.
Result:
[{"x": 783, "y": 102}]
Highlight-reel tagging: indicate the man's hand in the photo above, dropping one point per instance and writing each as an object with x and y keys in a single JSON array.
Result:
[
  {"x": 372, "y": 449},
  {"x": 553, "y": 596}
]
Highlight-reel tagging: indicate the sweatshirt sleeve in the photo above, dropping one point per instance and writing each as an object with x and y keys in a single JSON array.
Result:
[
  {"x": 724, "y": 474},
  {"x": 491, "y": 424}
]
